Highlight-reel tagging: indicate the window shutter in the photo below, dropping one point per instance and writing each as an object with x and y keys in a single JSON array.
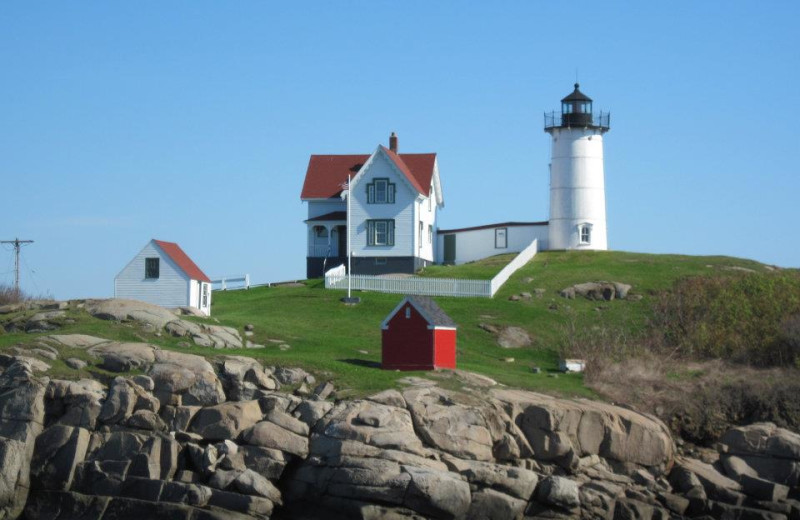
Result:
[
  {"x": 370, "y": 193},
  {"x": 370, "y": 232},
  {"x": 390, "y": 238},
  {"x": 391, "y": 193}
]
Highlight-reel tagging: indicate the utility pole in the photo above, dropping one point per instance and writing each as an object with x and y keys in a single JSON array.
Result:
[{"x": 17, "y": 243}]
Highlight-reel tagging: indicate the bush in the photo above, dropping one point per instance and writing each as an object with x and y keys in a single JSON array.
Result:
[
  {"x": 746, "y": 318},
  {"x": 10, "y": 295}
]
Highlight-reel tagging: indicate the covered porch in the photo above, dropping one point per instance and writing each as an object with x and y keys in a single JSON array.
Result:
[{"x": 327, "y": 242}]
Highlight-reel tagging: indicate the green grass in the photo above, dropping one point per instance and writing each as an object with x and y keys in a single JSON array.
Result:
[{"x": 344, "y": 343}]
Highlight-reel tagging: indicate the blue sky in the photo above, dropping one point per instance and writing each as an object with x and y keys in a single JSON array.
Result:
[{"x": 193, "y": 122}]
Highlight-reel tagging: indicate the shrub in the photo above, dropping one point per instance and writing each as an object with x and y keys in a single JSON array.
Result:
[
  {"x": 10, "y": 295},
  {"x": 744, "y": 318}
]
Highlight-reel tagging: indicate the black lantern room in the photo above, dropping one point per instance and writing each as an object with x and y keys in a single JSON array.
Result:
[{"x": 576, "y": 111}]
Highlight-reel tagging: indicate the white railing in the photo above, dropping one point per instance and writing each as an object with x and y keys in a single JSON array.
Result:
[
  {"x": 239, "y": 281},
  {"x": 521, "y": 259},
  {"x": 321, "y": 250},
  {"x": 336, "y": 278}
]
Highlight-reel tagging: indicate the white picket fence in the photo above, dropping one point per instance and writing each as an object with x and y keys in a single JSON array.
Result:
[{"x": 336, "y": 278}]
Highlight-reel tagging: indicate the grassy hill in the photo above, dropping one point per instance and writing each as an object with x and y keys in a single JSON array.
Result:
[
  {"x": 343, "y": 343},
  {"x": 327, "y": 336}
]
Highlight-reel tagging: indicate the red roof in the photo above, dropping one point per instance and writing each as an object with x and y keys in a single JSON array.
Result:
[
  {"x": 177, "y": 255},
  {"x": 327, "y": 173}
]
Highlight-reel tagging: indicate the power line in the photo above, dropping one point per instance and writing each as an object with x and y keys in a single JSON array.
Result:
[{"x": 17, "y": 243}]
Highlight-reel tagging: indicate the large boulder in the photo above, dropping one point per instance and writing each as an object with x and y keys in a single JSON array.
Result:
[
  {"x": 22, "y": 413},
  {"x": 226, "y": 420},
  {"x": 460, "y": 429},
  {"x": 563, "y": 431},
  {"x": 123, "y": 357},
  {"x": 130, "y": 310},
  {"x": 186, "y": 375}
]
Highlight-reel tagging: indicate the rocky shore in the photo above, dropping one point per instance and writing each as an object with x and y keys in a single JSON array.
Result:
[{"x": 176, "y": 435}]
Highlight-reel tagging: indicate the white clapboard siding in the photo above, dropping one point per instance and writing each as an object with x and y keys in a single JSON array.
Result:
[
  {"x": 402, "y": 211},
  {"x": 171, "y": 289},
  {"x": 317, "y": 208},
  {"x": 477, "y": 244}
]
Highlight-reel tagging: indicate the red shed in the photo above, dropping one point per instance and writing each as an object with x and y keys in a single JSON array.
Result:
[{"x": 418, "y": 335}]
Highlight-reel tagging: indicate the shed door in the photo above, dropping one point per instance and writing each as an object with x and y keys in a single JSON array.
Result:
[{"x": 450, "y": 249}]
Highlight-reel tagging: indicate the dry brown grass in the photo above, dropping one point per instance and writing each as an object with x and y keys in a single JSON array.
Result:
[{"x": 700, "y": 400}]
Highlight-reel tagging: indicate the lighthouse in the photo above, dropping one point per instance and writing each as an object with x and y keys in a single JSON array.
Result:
[{"x": 577, "y": 186}]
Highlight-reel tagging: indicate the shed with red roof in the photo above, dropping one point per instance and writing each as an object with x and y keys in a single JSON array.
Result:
[
  {"x": 163, "y": 274},
  {"x": 418, "y": 335}
]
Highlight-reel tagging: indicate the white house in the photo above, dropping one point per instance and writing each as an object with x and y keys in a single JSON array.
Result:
[
  {"x": 395, "y": 198},
  {"x": 577, "y": 194},
  {"x": 161, "y": 273}
]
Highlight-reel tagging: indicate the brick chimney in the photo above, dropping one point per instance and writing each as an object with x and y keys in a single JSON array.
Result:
[{"x": 393, "y": 142}]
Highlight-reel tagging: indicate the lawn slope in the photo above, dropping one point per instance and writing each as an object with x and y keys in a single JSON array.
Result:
[{"x": 344, "y": 342}]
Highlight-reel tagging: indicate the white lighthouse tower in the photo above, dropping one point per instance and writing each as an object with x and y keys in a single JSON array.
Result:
[{"x": 577, "y": 186}]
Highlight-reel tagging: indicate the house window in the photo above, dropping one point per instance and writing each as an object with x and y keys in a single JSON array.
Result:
[
  {"x": 205, "y": 295},
  {"x": 380, "y": 232},
  {"x": 381, "y": 260},
  {"x": 501, "y": 238},
  {"x": 380, "y": 191},
  {"x": 430, "y": 234},
  {"x": 586, "y": 233},
  {"x": 151, "y": 268},
  {"x": 408, "y": 313}
]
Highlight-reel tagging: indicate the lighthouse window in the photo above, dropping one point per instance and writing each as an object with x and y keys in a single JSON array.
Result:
[{"x": 586, "y": 234}]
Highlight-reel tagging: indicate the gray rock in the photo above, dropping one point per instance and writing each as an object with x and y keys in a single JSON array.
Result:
[
  {"x": 187, "y": 375},
  {"x": 251, "y": 483},
  {"x": 290, "y": 376},
  {"x": 488, "y": 504},
  {"x": 146, "y": 420},
  {"x": 59, "y": 449},
  {"x": 75, "y": 340},
  {"x": 312, "y": 411},
  {"x": 130, "y": 310},
  {"x": 270, "y": 435},
  {"x": 265, "y": 461},
  {"x": 146, "y": 382},
  {"x": 75, "y": 363},
  {"x": 675, "y": 503},
  {"x": 559, "y": 428},
  {"x": 763, "y": 439},
  {"x": 761, "y": 489},
  {"x": 287, "y": 422},
  {"x": 513, "y": 337},
  {"x": 323, "y": 390},
  {"x": 559, "y": 491},
  {"x": 517, "y": 482},
  {"x": 120, "y": 402},
  {"x": 226, "y": 420},
  {"x": 123, "y": 357},
  {"x": 462, "y": 431},
  {"x": 389, "y": 398},
  {"x": 437, "y": 493}
]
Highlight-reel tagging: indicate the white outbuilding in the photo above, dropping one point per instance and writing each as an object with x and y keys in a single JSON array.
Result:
[{"x": 162, "y": 274}]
